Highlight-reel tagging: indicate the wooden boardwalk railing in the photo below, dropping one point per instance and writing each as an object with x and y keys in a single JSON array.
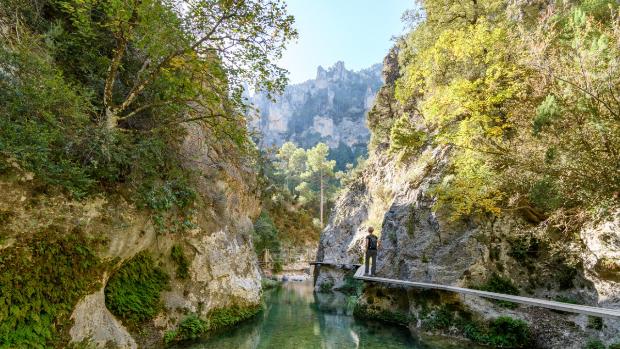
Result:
[{"x": 573, "y": 308}]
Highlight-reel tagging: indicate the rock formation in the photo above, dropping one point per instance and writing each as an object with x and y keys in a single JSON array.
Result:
[
  {"x": 422, "y": 244},
  {"x": 330, "y": 108}
]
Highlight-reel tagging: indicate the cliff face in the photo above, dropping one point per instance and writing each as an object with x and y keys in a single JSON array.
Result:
[
  {"x": 330, "y": 108},
  {"x": 421, "y": 244},
  {"x": 222, "y": 266}
]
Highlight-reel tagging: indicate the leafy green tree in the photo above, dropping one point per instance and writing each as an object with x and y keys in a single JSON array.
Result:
[{"x": 319, "y": 171}]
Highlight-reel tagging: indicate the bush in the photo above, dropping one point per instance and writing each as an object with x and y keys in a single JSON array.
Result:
[
  {"x": 192, "y": 327},
  {"x": 133, "y": 292},
  {"x": 614, "y": 346},
  {"x": 176, "y": 253},
  {"x": 326, "y": 287},
  {"x": 595, "y": 322},
  {"x": 503, "y": 332},
  {"x": 352, "y": 286},
  {"x": 594, "y": 344},
  {"x": 499, "y": 284},
  {"x": 401, "y": 318},
  {"x": 41, "y": 280}
]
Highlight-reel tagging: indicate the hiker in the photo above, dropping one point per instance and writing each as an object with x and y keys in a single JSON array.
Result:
[{"x": 372, "y": 244}]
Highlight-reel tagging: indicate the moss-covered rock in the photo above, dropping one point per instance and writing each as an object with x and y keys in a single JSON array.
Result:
[
  {"x": 133, "y": 291},
  {"x": 42, "y": 277}
]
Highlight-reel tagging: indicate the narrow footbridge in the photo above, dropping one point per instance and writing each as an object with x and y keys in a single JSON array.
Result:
[{"x": 573, "y": 308}]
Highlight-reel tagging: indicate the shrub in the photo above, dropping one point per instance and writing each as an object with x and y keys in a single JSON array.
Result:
[
  {"x": 41, "y": 280},
  {"x": 193, "y": 327},
  {"x": 326, "y": 287},
  {"x": 176, "y": 253},
  {"x": 225, "y": 317},
  {"x": 133, "y": 292},
  {"x": 503, "y": 332},
  {"x": 352, "y": 286},
  {"x": 499, "y": 284},
  {"x": 595, "y": 322},
  {"x": 594, "y": 344},
  {"x": 396, "y": 317},
  {"x": 614, "y": 346}
]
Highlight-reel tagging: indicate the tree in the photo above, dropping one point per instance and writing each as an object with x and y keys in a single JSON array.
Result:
[
  {"x": 162, "y": 55},
  {"x": 319, "y": 170}
]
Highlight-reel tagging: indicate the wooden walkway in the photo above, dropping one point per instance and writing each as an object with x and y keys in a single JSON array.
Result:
[
  {"x": 337, "y": 265},
  {"x": 572, "y": 308}
]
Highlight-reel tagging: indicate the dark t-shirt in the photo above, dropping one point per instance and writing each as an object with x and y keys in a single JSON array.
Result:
[{"x": 372, "y": 242}]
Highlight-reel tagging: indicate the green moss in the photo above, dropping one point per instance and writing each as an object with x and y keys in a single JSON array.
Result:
[
  {"x": 441, "y": 319},
  {"x": 326, "y": 287},
  {"x": 503, "y": 332},
  {"x": 133, "y": 292},
  {"x": 567, "y": 299},
  {"x": 595, "y": 322},
  {"x": 594, "y": 344},
  {"x": 499, "y": 284},
  {"x": 177, "y": 255},
  {"x": 41, "y": 280},
  {"x": 267, "y": 284},
  {"x": 370, "y": 312},
  {"x": 193, "y": 326},
  {"x": 352, "y": 286}
]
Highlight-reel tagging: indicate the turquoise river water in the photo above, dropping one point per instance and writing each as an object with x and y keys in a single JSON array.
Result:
[{"x": 295, "y": 317}]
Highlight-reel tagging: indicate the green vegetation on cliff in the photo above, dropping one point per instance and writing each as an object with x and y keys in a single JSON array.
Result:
[
  {"x": 101, "y": 98},
  {"x": 40, "y": 282},
  {"x": 132, "y": 293},
  {"x": 527, "y": 104},
  {"x": 192, "y": 326}
]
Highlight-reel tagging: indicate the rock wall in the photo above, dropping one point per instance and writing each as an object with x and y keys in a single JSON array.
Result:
[
  {"x": 422, "y": 244},
  {"x": 330, "y": 108},
  {"x": 223, "y": 268}
]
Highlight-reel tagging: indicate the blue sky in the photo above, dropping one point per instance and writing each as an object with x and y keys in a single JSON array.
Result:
[{"x": 357, "y": 32}]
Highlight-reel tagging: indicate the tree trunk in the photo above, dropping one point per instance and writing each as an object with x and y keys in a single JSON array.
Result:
[{"x": 321, "y": 199}]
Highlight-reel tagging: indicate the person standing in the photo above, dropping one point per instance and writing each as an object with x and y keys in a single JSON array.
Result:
[{"x": 372, "y": 245}]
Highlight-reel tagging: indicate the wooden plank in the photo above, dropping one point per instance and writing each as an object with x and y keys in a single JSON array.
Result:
[
  {"x": 334, "y": 264},
  {"x": 572, "y": 308}
]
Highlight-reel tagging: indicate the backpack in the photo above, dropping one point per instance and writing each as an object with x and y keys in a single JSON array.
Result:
[{"x": 372, "y": 242}]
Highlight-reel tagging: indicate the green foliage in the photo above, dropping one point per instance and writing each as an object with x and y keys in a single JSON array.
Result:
[
  {"x": 133, "y": 291},
  {"x": 526, "y": 105},
  {"x": 267, "y": 284},
  {"x": 441, "y": 319},
  {"x": 497, "y": 283},
  {"x": 177, "y": 255},
  {"x": 595, "y": 322},
  {"x": 614, "y": 346},
  {"x": 362, "y": 311},
  {"x": 327, "y": 287},
  {"x": 405, "y": 138},
  {"x": 503, "y": 332},
  {"x": 523, "y": 248},
  {"x": 192, "y": 327},
  {"x": 566, "y": 299},
  {"x": 544, "y": 195},
  {"x": 41, "y": 279},
  {"x": 352, "y": 286},
  {"x": 92, "y": 103},
  {"x": 266, "y": 236},
  {"x": 594, "y": 344}
]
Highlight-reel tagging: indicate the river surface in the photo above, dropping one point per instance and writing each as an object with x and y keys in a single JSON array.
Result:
[{"x": 295, "y": 317}]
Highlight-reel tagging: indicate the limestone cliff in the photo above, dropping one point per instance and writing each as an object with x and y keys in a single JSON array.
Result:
[
  {"x": 422, "y": 244},
  {"x": 330, "y": 108},
  {"x": 222, "y": 266}
]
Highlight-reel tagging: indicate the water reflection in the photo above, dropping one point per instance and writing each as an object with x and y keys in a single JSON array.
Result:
[{"x": 296, "y": 317}]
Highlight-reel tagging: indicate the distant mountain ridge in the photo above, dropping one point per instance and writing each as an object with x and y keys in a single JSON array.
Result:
[{"x": 330, "y": 108}]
